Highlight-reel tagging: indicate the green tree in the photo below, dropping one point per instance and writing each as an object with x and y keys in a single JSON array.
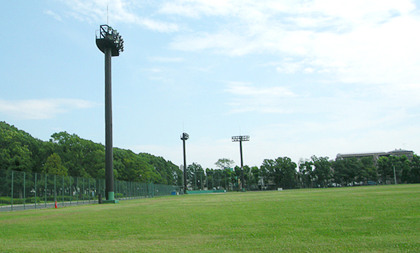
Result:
[
  {"x": 254, "y": 176},
  {"x": 384, "y": 168},
  {"x": 194, "y": 174},
  {"x": 54, "y": 166},
  {"x": 305, "y": 173},
  {"x": 349, "y": 170},
  {"x": 339, "y": 168},
  {"x": 415, "y": 170},
  {"x": 14, "y": 149},
  {"x": 229, "y": 178},
  {"x": 269, "y": 172},
  {"x": 282, "y": 172},
  {"x": 224, "y": 163},
  {"x": 322, "y": 170},
  {"x": 237, "y": 177},
  {"x": 405, "y": 169},
  {"x": 369, "y": 170},
  {"x": 353, "y": 169},
  {"x": 70, "y": 149},
  {"x": 210, "y": 178},
  {"x": 83, "y": 158},
  {"x": 287, "y": 172}
]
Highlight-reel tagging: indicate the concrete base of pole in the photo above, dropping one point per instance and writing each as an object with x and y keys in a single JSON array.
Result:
[
  {"x": 110, "y": 199},
  {"x": 114, "y": 201}
]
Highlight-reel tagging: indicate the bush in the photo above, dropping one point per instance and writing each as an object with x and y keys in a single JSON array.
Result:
[
  {"x": 33, "y": 199},
  {"x": 66, "y": 198},
  {"x": 8, "y": 201}
]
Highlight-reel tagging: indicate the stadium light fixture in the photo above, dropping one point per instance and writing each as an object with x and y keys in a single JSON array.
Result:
[
  {"x": 240, "y": 139},
  {"x": 185, "y": 137},
  {"x": 109, "y": 42}
]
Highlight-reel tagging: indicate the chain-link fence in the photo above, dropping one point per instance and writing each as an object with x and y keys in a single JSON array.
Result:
[{"x": 22, "y": 190}]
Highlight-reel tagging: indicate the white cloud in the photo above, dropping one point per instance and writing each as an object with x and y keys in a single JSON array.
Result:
[
  {"x": 153, "y": 70},
  {"x": 155, "y": 25},
  {"x": 357, "y": 10},
  {"x": 357, "y": 41},
  {"x": 299, "y": 140},
  {"x": 265, "y": 100},
  {"x": 240, "y": 88},
  {"x": 54, "y": 15},
  {"x": 41, "y": 109},
  {"x": 308, "y": 70},
  {"x": 354, "y": 110},
  {"x": 95, "y": 11},
  {"x": 165, "y": 59},
  {"x": 196, "y": 9},
  {"x": 363, "y": 56},
  {"x": 224, "y": 42},
  {"x": 289, "y": 68}
]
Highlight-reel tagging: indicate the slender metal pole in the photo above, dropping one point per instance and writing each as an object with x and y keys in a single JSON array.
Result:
[
  {"x": 395, "y": 176},
  {"x": 70, "y": 190},
  {"x": 11, "y": 195},
  {"x": 212, "y": 179},
  {"x": 242, "y": 165},
  {"x": 55, "y": 188},
  {"x": 35, "y": 191},
  {"x": 109, "y": 173},
  {"x": 240, "y": 139},
  {"x": 226, "y": 184},
  {"x": 83, "y": 192},
  {"x": 185, "y": 167},
  {"x": 77, "y": 188},
  {"x": 46, "y": 178},
  {"x": 62, "y": 191},
  {"x": 24, "y": 190}
]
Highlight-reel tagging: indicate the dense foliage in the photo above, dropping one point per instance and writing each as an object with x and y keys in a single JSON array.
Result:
[
  {"x": 316, "y": 172},
  {"x": 68, "y": 154}
]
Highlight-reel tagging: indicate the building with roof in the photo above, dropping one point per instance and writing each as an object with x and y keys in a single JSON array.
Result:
[{"x": 376, "y": 155}]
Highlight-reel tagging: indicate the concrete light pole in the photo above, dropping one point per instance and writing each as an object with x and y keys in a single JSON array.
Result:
[
  {"x": 110, "y": 42},
  {"x": 185, "y": 137},
  {"x": 240, "y": 139}
]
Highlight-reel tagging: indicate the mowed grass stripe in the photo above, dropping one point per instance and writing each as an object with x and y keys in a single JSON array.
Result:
[{"x": 357, "y": 219}]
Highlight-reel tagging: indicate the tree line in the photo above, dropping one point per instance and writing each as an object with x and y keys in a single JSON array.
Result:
[
  {"x": 316, "y": 172},
  {"x": 68, "y": 154}
]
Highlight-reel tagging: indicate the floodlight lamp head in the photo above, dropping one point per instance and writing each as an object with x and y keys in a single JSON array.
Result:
[
  {"x": 240, "y": 138},
  {"x": 184, "y": 136},
  {"x": 109, "y": 38}
]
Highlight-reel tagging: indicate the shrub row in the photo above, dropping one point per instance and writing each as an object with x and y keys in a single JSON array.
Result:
[{"x": 16, "y": 201}]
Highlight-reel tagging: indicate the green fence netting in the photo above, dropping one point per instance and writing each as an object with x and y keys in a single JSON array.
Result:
[{"x": 22, "y": 190}]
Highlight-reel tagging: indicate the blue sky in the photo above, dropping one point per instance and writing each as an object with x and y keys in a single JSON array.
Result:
[{"x": 301, "y": 78}]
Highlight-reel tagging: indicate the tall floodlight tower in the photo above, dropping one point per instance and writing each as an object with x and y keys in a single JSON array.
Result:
[
  {"x": 185, "y": 137},
  {"x": 240, "y": 139},
  {"x": 110, "y": 43}
]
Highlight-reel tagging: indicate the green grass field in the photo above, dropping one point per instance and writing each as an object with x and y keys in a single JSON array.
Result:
[{"x": 357, "y": 219}]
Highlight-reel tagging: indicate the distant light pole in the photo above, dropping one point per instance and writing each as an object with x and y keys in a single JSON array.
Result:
[
  {"x": 240, "y": 139},
  {"x": 185, "y": 137},
  {"x": 395, "y": 175},
  {"x": 110, "y": 42}
]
